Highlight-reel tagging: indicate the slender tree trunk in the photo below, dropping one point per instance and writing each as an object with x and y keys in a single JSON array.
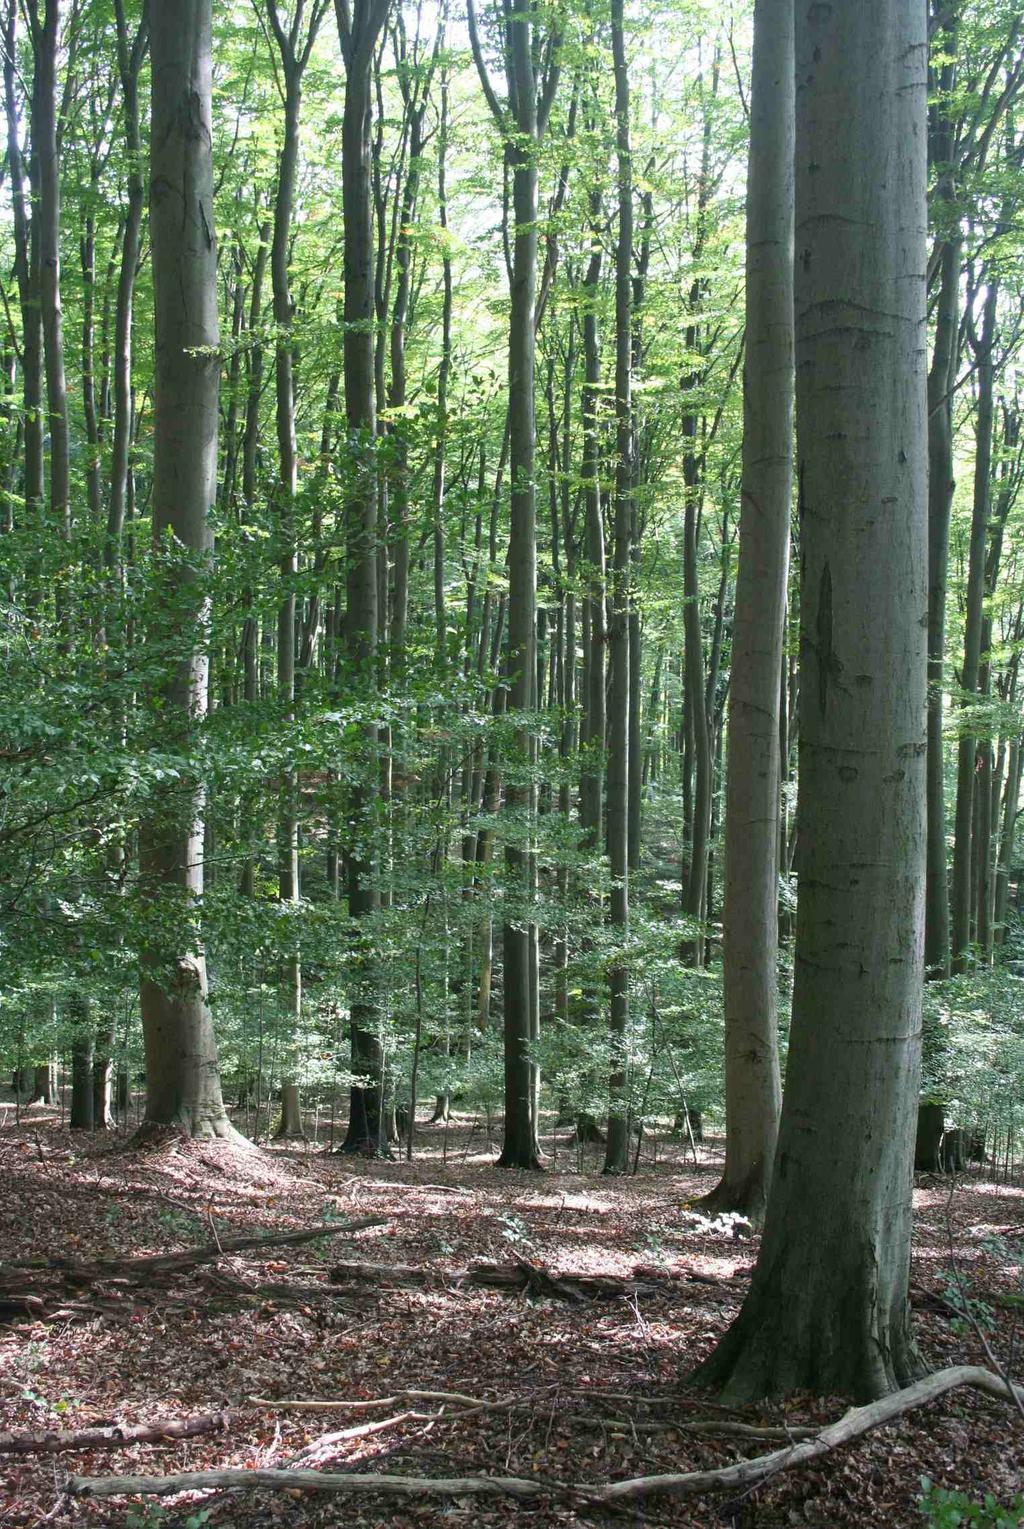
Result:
[
  {"x": 26, "y": 265},
  {"x": 964, "y": 863},
  {"x": 529, "y": 108},
  {"x": 45, "y": 40},
  {"x": 87, "y": 252},
  {"x": 294, "y": 47},
  {"x": 753, "y": 1089},
  {"x": 617, "y": 1149},
  {"x": 182, "y": 1075},
  {"x": 828, "y": 1309},
  {"x": 81, "y": 1117},
  {"x": 592, "y": 771},
  {"x": 359, "y": 29},
  {"x": 1004, "y": 863},
  {"x": 130, "y": 55},
  {"x": 941, "y": 377},
  {"x": 103, "y": 1076}
]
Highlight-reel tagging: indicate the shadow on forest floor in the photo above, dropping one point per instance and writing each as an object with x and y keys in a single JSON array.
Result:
[{"x": 596, "y": 1390}]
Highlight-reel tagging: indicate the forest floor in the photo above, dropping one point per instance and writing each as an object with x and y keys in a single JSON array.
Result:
[{"x": 588, "y": 1391}]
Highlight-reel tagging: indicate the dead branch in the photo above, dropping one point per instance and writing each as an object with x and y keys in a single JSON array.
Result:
[
  {"x": 45, "y": 1288},
  {"x": 519, "y": 1278},
  {"x": 114, "y": 1436},
  {"x": 305, "y": 1481},
  {"x": 445, "y": 1398},
  {"x": 178, "y": 1263},
  {"x": 742, "y": 1474}
]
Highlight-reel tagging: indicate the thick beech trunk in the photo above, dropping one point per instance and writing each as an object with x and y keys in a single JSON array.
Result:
[
  {"x": 182, "y": 1076},
  {"x": 828, "y": 1308},
  {"x": 752, "y": 1085}
]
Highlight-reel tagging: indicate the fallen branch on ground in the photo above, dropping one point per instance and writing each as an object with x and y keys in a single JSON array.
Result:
[
  {"x": 43, "y": 1288},
  {"x": 519, "y": 1278},
  {"x": 742, "y": 1474},
  {"x": 445, "y": 1398},
  {"x": 191, "y": 1258},
  {"x": 114, "y": 1436}
]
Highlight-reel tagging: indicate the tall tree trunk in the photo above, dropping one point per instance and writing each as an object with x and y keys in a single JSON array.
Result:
[
  {"x": 45, "y": 41},
  {"x": 294, "y": 47},
  {"x": 81, "y": 1116},
  {"x": 528, "y": 107},
  {"x": 941, "y": 377},
  {"x": 130, "y": 54},
  {"x": 359, "y": 28},
  {"x": 593, "y": 730},
  {"x": 26, "y": 266},
  {"x": 1004, "y": 862},
  {"x": 753, "y": 1090},
  {"x": 617, "y": 1148},
  {"x": 964, "y": 866},
  {"x": 828, "y": 1308},
  {"x": 182, "y": 1075}
]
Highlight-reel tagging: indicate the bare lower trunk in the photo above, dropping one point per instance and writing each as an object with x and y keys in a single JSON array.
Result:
[
  {"x": 521, "y": 1147},
  {"x": 965, "y": 860},
  {"x": 617, "y": 1152},
  {"x": 182, "y": 1076},
  {"x": 290, "y": 1124},
  {"x": 753, "y": 1090},
  {"x": 828, "y": 1309},
  {"x": 359, "y": 27},
  {"x": 103, "y": 1077}
]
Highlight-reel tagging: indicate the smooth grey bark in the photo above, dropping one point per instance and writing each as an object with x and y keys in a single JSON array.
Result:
[
  {"x": 45, "y": 34},
  {"x": 828, "y": 1308},
  {"x": 1004, "y": 858},
  {"x": 78, "y": 1013},
  {"x": 87, "y": 254},
  {"x": 250, "y": 445},
  {"x": 616, "y": 1158},
  {"x": 415, "y": 83},
  {"x": 358, "y": 30},
  {"x": 522, "y": 122},
  {"x": 941, "y": 378},
  {"x": 594, "y": 633},
  {"x": 964, "y": 860},
  {"x": 294, "y": 47},
  {"x": 131, "y": 52},
  {"x": 44, "y": 1083},
  {"x": 699, "y": 735},
  {"x": 753, "y": 1090},
  {"x": 26, "y": 266},
  {"x": 103, "y": 1075},
  {"x": 182, "y": 1075},
  {"x": 989, "y": 777}
]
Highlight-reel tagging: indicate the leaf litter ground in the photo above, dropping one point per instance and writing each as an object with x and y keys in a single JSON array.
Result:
[{"x": 588, "y": 1390}]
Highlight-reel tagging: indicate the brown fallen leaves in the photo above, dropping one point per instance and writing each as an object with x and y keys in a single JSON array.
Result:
[{"x": 577, "y": 1391}]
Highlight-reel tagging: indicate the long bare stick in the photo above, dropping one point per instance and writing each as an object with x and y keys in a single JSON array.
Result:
[{"x": 742, "y": 1474}]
